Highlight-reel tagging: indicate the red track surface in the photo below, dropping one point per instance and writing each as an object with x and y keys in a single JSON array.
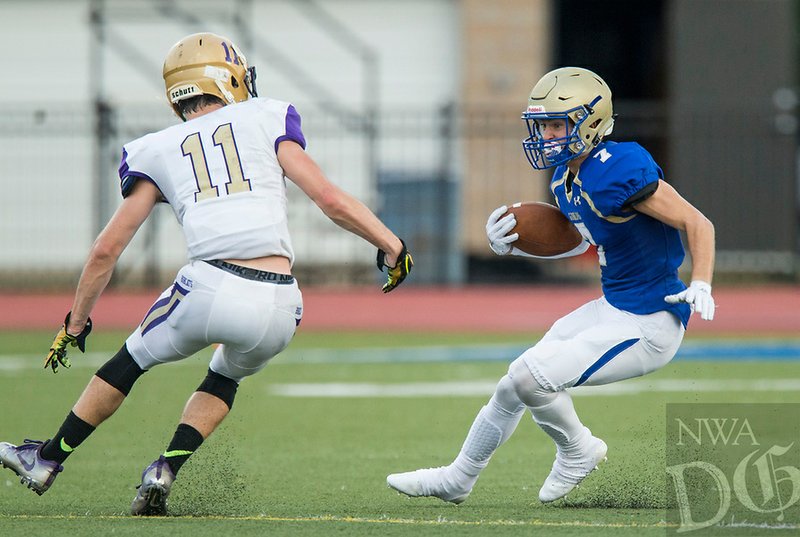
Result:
[{"x": 741, "y": 310}]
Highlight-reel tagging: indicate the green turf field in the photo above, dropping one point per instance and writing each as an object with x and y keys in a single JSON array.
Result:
[{"x": 289, "y": 463}]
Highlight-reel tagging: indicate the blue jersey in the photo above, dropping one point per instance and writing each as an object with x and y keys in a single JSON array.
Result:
[{"x": 639, "y": 255}]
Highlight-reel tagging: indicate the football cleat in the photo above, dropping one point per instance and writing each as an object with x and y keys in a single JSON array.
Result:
[
  {"x": 26, "y": 461},
  {"x": 151, "y": 500},
  {"x": 569, "y": 471},
  {"x": 428, "y": 482}
]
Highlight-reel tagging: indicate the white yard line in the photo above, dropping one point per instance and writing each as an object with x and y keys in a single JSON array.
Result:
[{"x": 486, "y": 388}]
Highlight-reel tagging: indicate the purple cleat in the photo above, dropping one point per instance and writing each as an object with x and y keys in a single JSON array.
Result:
[
  {"x": 26, "y": 461},
  {"x": 151, "y": 500}
]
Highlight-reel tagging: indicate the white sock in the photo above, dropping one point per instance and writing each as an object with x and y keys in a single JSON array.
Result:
[
  {"x": 552, "y": 411},
  {"x": 558, "y": 419},
  {"x": 493, "y": 425}
]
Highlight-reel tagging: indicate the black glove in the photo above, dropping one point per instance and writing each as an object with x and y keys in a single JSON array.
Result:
[
  {"x": 399, "y": 271},
  {"x": 58, "y": 350}
]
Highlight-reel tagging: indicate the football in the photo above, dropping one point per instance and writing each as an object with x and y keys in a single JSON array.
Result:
[{"x": 543, "y": 229}]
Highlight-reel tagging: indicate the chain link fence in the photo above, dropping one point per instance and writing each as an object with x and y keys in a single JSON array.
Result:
[{"x": 432, "y": 175}]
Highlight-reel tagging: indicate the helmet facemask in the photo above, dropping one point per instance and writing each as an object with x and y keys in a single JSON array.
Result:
[
  {"x": 543, "y": 153},
  {"x": 250, "y": 81}
]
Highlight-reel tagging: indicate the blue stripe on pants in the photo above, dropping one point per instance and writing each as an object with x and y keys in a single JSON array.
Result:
[{"x": 607, "y": 357}]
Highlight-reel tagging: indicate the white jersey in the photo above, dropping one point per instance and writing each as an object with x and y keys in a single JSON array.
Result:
[{"x": 221, "y": 176}]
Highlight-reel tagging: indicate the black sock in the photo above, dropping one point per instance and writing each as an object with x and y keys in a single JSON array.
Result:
[
  {"x": 185, "y": 442},
  {"x": 71, "y": 434}
]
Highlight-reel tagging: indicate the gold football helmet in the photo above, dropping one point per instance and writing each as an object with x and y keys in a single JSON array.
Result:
[
  {"x": 208, "y": 64},
  {"x": 579, "y": 97}
]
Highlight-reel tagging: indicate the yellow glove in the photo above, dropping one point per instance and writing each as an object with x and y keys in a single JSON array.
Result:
[
  {"x": 399, "y": 271},
  {"x": 58, "y": 349}
]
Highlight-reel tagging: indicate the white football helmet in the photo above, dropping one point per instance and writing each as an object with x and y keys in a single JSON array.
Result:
[
  {"x": 579, "y": 97},
  {"x": 207, "y": 64}
]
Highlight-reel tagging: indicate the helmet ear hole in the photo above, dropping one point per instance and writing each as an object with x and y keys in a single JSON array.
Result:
[{"x": 234, "y": 82}]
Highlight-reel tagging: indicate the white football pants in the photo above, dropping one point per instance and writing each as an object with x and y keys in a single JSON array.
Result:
[
  {"x": 598, "y": 343},
  {"x": 252, "y": 320}
]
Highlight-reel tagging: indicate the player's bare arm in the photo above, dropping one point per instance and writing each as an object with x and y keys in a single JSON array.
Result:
[
  {"x": 239, "y": 258},
  {"x": 343, "y": 209},
  {"x": 668, "y": 206},
  {"x": 107, "y": 248}
]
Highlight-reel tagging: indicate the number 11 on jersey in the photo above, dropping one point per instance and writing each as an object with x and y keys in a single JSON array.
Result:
[{"x": 192, "y": 147}]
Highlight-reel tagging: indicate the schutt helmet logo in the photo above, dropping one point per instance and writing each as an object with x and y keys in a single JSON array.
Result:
[{"x": 182, "y": 92}]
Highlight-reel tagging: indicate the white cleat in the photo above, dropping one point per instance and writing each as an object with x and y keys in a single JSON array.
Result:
[
  {"x": 151, "y": 499},
  {"x": 428, "y": 482},
  {"x": 568, "y": 472},
  {"x": 26, "y": 461}
]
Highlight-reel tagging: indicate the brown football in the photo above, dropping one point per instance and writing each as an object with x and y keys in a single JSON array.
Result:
[{"x": 543, "y": 229}]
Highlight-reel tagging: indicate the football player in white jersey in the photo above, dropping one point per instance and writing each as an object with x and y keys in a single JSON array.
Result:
[
  {"x": 615, "y": 194},
  {"x": 223, "y": 173}
]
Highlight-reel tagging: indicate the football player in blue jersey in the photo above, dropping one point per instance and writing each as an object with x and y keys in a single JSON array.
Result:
[{"x": 615, "y": 194}]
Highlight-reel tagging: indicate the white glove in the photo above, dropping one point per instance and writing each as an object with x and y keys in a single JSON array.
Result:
[
  {"x": 698, "y": 296},
  {"x": 496, "y": 229}
]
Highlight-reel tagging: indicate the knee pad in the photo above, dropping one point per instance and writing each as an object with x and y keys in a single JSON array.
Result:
[
  {"x": 121, "y": 371},
  {"x": 505, "y": 397},
  {"x": 527, "y": 387},
  {"x": 219, "y": 386}
]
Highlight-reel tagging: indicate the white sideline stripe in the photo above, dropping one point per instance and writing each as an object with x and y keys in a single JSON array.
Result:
[
  {"x": 10, "y": 363},
  {"x": 19, "y": 362},
  {"x": 486, "y": 388}
]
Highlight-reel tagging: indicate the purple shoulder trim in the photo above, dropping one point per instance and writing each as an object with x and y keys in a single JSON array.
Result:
[
  {"x": 123, "y": 165},
  {"x": 128, "y": 178},
  {"x": 292, "y": 129}
]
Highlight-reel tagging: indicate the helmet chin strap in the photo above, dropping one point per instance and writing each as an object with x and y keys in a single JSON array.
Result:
[{"x": 228, "y": 95}]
